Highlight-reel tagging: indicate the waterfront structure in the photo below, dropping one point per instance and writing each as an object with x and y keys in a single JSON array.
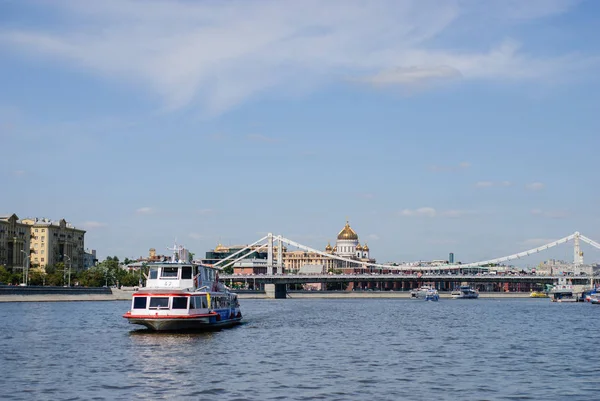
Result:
[
  {"x": 55, "y": 241},
  {"x": 15, "y": 238}
]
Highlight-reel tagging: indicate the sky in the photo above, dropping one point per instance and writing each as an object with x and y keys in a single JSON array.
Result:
[{"x": 432, "y": 126}]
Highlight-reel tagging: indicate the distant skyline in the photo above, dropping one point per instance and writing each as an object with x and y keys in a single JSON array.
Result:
[{"x": 433, "y": 126}]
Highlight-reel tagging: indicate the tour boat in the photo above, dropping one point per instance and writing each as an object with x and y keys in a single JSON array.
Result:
[
  {"x": 465, "y": 292},
  {"x": 425, "y": 292},
  {"x": 562, "y": 292},
  {"x": 183, "y": 296}
]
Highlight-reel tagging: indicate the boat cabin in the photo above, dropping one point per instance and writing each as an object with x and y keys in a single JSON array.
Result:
[{"x": 180, "y": 275}]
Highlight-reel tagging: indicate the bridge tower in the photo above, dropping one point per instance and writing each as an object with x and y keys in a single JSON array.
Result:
[
  {"x": 270, "y": 253},
  {"x": 577, "y": 252}
]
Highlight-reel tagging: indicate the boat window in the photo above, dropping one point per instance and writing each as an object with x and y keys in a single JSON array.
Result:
[
  {"x": 153, "y": 273},
  {"x": 186, "y": 273},
  {"x": 179, "y": 303},
  {"x": 159, "y": 302},
  {"x": 139, "y": 302},
  {"x": 169, "y": 272}
]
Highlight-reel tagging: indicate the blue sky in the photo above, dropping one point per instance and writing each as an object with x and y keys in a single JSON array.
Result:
[{"x": 434, "y": 126}]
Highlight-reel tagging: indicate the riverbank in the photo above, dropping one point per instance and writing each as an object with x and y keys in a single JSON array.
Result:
[{"x": 125, "y": 295}]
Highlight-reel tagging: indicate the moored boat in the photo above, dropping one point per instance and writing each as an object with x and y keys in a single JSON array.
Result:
[
  {"x": 538, "y": 294},
  {"x": 425, "y": 292},
  {"x": 562, "y": 292},
  {"x": 183, "y": 296},
  {"x": 464, "y": 292}
]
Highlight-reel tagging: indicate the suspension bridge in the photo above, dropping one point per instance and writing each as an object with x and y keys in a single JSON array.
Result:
[{"x": 364, "y": 273}]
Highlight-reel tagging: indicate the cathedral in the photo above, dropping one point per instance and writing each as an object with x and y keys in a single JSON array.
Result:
[{"x": 348, "y": 246}]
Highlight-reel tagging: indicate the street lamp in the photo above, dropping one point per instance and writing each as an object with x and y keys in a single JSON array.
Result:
[
  {"x": 26, "y": 267},
  {"x": 69, "y": 269}
]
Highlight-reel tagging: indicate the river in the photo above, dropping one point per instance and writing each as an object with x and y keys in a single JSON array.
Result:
[{"x": 329, "y": 349}]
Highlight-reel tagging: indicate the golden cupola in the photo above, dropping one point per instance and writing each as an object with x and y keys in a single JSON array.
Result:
[
  {"x": 328, "y": 248},
  {"x": 220, "y": 248},
  {"x": 359, "y": 247},
  {"x": 347, "y": 233},
  {"x": 366, "y": 248}
]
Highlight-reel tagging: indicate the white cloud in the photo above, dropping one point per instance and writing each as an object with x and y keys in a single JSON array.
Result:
[
  {"x": 220, "y": 54},
  {"x": 535, "y": 186},
  {"x": 90, "y": 225},
  {"x": 145, "y": 210},
  {"x": 450, "y": 168},
  {"x": 373, "y": 237},
  {"x": 420, "y": 212}
]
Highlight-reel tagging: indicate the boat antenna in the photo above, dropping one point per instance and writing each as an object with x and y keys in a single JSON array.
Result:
[{"x": 175, "y": 249}]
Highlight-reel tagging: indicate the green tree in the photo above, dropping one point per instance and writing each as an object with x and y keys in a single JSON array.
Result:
[{"x": 228, "y": 269}]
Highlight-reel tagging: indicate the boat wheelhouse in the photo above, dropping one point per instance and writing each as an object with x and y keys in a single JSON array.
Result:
[{"x": 183, "y": 296}]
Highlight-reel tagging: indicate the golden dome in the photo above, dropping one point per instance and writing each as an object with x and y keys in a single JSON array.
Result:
[
  {"x": 359, "y": 248},
  {"x": 328, "y": 248},
  {"x": 335, "y": 248},
  {"x": 220, "y": 248},
  {"x": 347, "y": 233},
  {"x": 366, "y": 248}
]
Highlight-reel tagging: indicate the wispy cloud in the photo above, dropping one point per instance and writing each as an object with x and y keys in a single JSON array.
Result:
[
  {"x": 431, "y": 212},
  {"x": 488, "y": 184},
  {"x": 551, "y": 214},
  {"x": 19, "y": 173},
  {"x": 261, "y": 138},
  {"x": 458, "y": 213},
  {"x": 90, "y": 225},
  {"x": 220, "y": 54},
  {"x": 412, "y": 76},
  {"x": 146, "y": 210},
  {"x": 373, "y": 237},
  {"x": 535, "y": 186},
  {"x": 450, "y": 168},
  {"x": 420, "y": 212},
  {"x": 535, "y": 242}
]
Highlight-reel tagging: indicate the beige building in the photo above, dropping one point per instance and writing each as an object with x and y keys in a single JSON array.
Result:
[
  {"x": 56, "y": 241},
  {"x": 14, "y": 241}
]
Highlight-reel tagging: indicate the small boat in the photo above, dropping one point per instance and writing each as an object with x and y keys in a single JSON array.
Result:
[
  {"x": 425, "y": 292},
  {"x": 183, "y": 296},
  {"x": 562, "y": 292},
  {"x": 538, "y": 294},
  {"x": 465, "y": 292},
  {"x": 595, "y": 298}
]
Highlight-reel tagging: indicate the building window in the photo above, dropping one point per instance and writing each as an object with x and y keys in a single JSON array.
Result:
[
  {"x": 42, "y": 252},
  {"x": 43, "y": 238},
  {"x": 36, "y": 230},
  {"x": 42, "y": 259}
]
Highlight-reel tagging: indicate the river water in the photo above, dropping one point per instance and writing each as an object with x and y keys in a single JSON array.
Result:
[{"x": 329, "y": 349}]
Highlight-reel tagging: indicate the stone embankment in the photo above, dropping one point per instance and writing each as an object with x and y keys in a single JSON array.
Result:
[{"x": 59, "y": 294}]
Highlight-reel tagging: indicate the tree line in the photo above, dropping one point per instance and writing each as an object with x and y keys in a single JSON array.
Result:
[{"x": 105, "y": 273}]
